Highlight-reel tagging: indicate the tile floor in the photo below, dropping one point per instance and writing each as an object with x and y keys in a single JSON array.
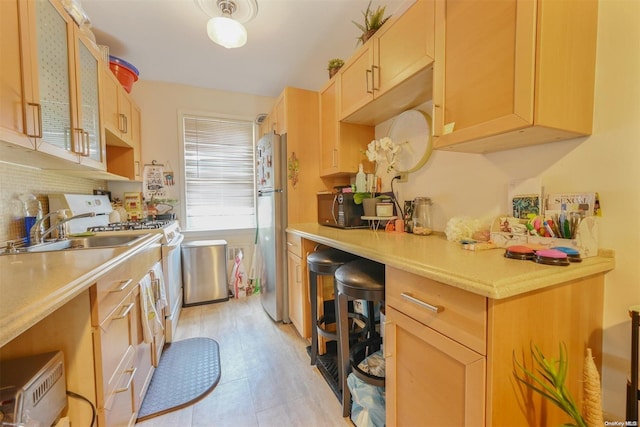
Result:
[{"x": 266, "y": 378}]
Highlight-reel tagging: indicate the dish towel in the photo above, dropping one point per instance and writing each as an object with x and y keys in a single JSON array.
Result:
[
  {"x": 150, "y": 322},
  {"x": 161, "y": 294}
]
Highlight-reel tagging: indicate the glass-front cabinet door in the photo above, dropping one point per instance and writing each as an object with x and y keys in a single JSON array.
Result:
[
  {"x": 89, "y": 114},
  {"x": 61, "y": 75}
]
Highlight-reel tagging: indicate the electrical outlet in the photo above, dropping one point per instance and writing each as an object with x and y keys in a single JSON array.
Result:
[{"x": 404, "y": 177}]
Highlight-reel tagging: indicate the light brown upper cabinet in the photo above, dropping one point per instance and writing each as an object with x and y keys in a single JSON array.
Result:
[
  {"x": 56, "y": 107},
  {"x": 123, "y": 125},
  {"x": 513, "y": 73},
  {"x": 392, "y": 72},
  {"x": 299, "y": 121},
  {"x": 12, "y": 114},
  {"x": 341, "y": 144},
  {"x": 280, "y": 125}
]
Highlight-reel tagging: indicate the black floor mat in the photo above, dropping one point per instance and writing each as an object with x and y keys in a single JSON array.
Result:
[{"x": 187, "y": 372}]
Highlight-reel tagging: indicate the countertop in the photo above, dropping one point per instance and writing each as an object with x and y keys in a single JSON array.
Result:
[
  {"x": 34, "y": 285},
  {"x": 487, "y": 273}
]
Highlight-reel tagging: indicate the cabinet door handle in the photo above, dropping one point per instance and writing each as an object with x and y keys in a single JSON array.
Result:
[
  {"x": 38, "y": 134},
  {"x": 373, "y": 78},
  {"x": 128, "y": 386},
  {"x": 298, "y": 274},
  {"x": 125, "y": 312},
  {"x": 123, "y": 285},
  {"x": 334, "y": 163},
  {"x": 77, "y": 141},
  {"x": 123, "y": 124},
  {"x": 369, "y": 71},
  {"x": 86, "y": 143},
  {"x": 430, "y": 307}
]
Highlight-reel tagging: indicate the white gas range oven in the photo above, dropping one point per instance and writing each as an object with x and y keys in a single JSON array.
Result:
[{"x": 99, "y": 224}]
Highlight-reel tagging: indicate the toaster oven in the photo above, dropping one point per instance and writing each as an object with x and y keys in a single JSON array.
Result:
[{"x": 33, "y": 390}]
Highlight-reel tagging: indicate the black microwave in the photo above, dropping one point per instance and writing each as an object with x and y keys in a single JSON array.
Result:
[{"x": 339, "y": 210}]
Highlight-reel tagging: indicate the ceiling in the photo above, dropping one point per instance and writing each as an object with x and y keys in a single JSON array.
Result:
[{"x": 289, "y": 41}]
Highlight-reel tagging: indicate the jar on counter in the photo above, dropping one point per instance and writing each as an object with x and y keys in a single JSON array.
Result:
[{"x": 422, "y": 216}]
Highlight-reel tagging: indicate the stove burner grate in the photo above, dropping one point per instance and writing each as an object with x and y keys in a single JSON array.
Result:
[{"x": 131, "y": 225}]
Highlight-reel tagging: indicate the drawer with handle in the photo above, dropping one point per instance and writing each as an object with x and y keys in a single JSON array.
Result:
[
  {"x": 294, "y": 244},
  {"x": 458, "y": 314}
]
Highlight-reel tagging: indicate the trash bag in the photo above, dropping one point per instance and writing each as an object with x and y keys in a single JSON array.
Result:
[{"x": 368, "y": 401}]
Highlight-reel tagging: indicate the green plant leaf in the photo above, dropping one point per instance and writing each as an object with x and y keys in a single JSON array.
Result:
[
  {"x": 358, "y": 197},
  {"x": 549, "y": 381}
]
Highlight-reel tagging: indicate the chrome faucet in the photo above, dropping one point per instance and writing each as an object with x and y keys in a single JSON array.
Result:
[{"x": 38, "y": 236}]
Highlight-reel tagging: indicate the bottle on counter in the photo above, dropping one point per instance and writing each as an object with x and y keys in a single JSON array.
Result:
[
  {"x": 422, "y": 216},
  {"x": 361, "y": 180},
  {"x": 32, "y": 213}
]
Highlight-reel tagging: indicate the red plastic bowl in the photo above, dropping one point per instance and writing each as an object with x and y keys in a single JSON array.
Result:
[{"x": 126, "y": 73}]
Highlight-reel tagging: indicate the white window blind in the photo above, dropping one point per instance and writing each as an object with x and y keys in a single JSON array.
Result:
[{"x": 219, "y": 174}]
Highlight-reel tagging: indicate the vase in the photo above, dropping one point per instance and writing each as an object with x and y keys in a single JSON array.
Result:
[{"x": 369, "y": 206}]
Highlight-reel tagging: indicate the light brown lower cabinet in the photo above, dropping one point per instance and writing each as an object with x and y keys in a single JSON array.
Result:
[
  {"x": 450, "y": 353},
  {"x": 123, "y": 361},
  {"x": 430, "y": 377},
  {"x": 299, "y": 301}
]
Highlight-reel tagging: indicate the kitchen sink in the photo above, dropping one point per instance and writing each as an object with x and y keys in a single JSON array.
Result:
[{"x": 91, "y": 242}]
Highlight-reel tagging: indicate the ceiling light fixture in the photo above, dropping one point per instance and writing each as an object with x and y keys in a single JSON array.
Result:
[{"x": 222, "y": 28}]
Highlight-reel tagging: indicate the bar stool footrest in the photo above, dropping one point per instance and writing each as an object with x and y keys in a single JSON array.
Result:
[{"x": 364, "y": 376}]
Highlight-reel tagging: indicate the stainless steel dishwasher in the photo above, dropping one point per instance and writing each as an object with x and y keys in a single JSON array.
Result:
[{"x": 204, "y": 271}]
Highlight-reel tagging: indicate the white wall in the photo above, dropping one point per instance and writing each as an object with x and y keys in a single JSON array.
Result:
[{"x": 607, "y": 162}]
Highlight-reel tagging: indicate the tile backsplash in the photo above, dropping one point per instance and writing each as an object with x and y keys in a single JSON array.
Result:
[{"x": 16, "y": 179}]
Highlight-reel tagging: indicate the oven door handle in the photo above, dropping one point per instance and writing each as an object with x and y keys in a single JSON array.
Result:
[{"x": 175, "y": 242}]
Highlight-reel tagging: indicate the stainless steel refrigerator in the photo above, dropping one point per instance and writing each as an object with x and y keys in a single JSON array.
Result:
[{"x": 271, "y": 265}]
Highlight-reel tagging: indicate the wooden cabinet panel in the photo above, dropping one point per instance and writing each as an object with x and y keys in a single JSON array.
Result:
[
  {"x": 356, "y": 80},
  {"x": 463, "y": 315},
  {"x": 123, "y": 127},
  {"x": 281, "y": 116},
  {"x": 294, "y": 244},
  {"x": 116, "y": 338},
  {"x": 143, "y": 358},
  {"x": 49, "y": 91},
  {"x": 511, "y": 74},
  {"x": 119, "y": 409},
  {"x": 123, "y": 360},
  {"x": 570, "y": 313},
  {"x": 431, "y": 355},
  {"x": 406, "y": 47},
  {"x": 12, "y": 108},
  {"x": 430, "y": 379},
  {"x": 296, "y": 292},
  {"x": 341, "y": 144},
  {"x": 301, "y": 117},
  {"x": 392, "y": 71}
]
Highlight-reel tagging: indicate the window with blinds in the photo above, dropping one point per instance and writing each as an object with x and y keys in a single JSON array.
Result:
[{"x": 219, "y": 174}]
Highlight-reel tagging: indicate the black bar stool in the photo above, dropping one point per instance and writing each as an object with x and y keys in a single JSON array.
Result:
[
  {"x": 361, "y": 279},
  {"x": 633, "y": 394},
  {"x": 325, "y": 262}
]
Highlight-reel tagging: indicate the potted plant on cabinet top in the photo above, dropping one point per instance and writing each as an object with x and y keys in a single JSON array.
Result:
[
  {"x": 373, "y": 20},
  {"x": 334, "y": 65}
]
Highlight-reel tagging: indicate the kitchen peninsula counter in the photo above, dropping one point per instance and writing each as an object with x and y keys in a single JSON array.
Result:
[
  {"x": 487, "y": 273},
  {"x": 468, "y": 313},
  {"x": 34, "y": 285}
]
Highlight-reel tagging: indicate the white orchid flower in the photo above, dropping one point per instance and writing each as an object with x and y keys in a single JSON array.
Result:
[{"x": 386, "y": 144}]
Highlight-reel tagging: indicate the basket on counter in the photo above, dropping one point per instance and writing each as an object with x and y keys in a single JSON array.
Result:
[{"x": 126, "y": 73}]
